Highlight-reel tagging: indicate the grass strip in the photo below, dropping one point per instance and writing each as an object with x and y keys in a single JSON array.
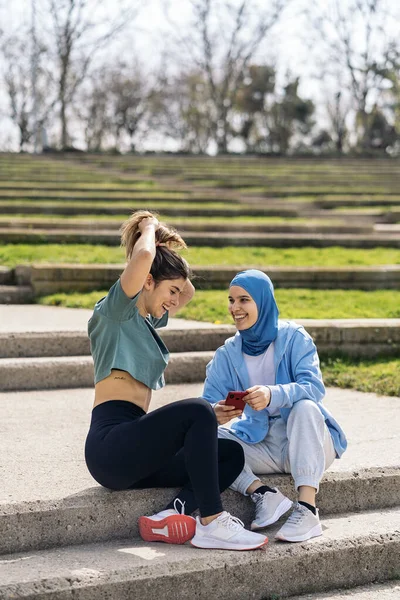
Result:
[
  {"x": 380, "y": 376},
  {"x": 335, "y": 256},
  {"x": 211, "y": 305}
]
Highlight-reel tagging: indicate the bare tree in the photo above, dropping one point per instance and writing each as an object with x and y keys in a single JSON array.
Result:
[
  {"x": 17, "y": 76},
  {"x": 133, "y": 96},
  {"x": 80, "y": 29},
  {"x": 350, "y": 38},
  {"x": 220, "y": 43},
  {"x": 390, "y": 71},
  {"x": 94, "y": 111},
  {"x": 253, "y": 101},
  {"x": 185, "y": 111},
  {"x": 337, "y": 114}
]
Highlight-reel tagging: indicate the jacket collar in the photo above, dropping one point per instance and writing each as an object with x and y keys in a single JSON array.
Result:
[{"x": 234, "y": 349}]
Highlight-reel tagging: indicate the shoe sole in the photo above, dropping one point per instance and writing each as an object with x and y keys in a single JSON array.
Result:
[
  {"x": 175, "y": 529},
  {"x": 314, "y": 532},
  {"x": 213, "y": 545},
  {"x": 283, "y": 507}
]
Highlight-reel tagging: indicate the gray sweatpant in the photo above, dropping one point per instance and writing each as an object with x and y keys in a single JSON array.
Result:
[{"x": 303, "y": 447}]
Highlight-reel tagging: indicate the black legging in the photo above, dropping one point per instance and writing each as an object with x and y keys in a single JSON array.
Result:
[{"x": 175, "y": 445}]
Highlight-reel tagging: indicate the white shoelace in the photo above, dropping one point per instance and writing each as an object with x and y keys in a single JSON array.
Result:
[
  {"x": 297, "y": 515},
  {"x": 181, "y": 509},
  {"x": 260, "y": 499},
  {"x": 230, "y": 522}
]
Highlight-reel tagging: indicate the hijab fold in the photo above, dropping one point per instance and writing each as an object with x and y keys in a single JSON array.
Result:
[{"x": 257, "y": 339}]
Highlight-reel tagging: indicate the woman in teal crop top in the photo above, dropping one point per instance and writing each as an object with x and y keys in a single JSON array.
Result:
[{"x": 173, "y": 446}]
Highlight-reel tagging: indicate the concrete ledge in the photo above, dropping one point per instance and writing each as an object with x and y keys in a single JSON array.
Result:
[
  {"x": 201, "y": 226},
  {"x": 63, "y": 208},
  {"x": 100, "y": 515},
  {"x": 220, "y": 239},
  {"x": 77, "y": 371},
  {"x": 53, "y": 278},
  {"x": 363, "y": 337},
  {"x": 373, "y": 591},
  {"x": 76, "y": 343},
  {"x": 11, "y": 294},
  {"x": 355, "y": 550},
  {"x": 362, "y": 278},
  {"x": 99, "y": 196}
]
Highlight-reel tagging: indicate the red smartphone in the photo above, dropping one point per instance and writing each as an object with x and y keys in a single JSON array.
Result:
[{"x": 236, "y": 399}]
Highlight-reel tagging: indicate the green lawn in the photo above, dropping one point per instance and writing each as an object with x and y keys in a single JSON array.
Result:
[
  {"x": 211, "y": 305},
  {"x": 377, "y": 376},
  {"x": 14, "y": 254}
]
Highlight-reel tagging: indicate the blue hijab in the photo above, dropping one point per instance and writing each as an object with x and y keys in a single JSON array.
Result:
[{"x": 257, "y": 338}]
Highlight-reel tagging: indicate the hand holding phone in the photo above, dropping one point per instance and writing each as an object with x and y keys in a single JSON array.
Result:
[{"x": 236, "y": 399}]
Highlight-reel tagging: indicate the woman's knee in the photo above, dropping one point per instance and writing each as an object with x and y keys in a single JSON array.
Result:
[
  {"x": 306, "y": 409},
  {"x": 199, "y": 409}
]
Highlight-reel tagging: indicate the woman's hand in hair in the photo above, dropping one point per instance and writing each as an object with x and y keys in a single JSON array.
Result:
[
  {"x": 258, "y": 397},
  {"x": 225, "y": 413},
  {"x": 146, "y": 222}
]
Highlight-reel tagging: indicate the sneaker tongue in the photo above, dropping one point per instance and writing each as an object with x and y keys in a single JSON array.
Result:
[
  {"x": 224, "y": 515},
  {"x": 231, "y": 521}
]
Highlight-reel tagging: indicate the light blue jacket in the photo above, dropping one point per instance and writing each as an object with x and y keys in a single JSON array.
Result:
[{"x": 297, "y": 377}]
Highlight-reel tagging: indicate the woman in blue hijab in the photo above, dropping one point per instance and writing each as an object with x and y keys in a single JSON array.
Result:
[{"x": 284, "y": 427}]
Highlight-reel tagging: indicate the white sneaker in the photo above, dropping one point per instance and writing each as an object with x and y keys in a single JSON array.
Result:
[
  {"x": 300, "y": 526},
  {"x": 226, "y": 533},
  {"x": 169, "y": 526},
  {"x": 270, "y": 506}
]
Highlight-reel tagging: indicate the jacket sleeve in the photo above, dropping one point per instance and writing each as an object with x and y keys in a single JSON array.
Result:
[
  {"x": 218, "y": 381},
  {"x": 303, "y": 363}
]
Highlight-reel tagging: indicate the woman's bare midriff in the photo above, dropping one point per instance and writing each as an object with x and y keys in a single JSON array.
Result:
[{"x": 120, "y": 385}]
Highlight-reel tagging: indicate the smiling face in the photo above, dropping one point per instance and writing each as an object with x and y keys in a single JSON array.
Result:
[
  {"x": 158, "y": 298},
  {"x": 242, "y": 308}
]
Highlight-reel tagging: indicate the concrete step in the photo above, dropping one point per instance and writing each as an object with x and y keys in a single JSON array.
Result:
[
  {"x": 77, "y": 371},
  {"x": 352, "y": 337},
  {"x": 51, "y": 426},
  {"x": 121, "y": 196},
  {"x": 49, "y": 279},
  {"x": 13, "y": 294},
  {"x": 76, "y": 343},
  {"x": 65, "y": 505},
  {"x": 387, "y": 228},
  {"x": 90, "y": 208},
  {"x": 373, "y": 591},
  {"x": 98, "y": 514},
  {"x": 187, "y": 226},
  {"x": 221, "y": 239},
  {"x": 356, "y": 549}
]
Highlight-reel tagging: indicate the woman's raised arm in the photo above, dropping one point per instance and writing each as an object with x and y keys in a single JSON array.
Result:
[{"x": 142, "y": 256}]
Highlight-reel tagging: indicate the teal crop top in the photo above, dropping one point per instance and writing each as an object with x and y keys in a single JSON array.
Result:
[{"x": 120, "y": 338}]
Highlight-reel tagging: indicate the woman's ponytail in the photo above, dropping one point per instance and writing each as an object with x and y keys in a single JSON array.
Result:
[
  {"x": 130, "y": 233},
  {"x": 167, "y": 263}
]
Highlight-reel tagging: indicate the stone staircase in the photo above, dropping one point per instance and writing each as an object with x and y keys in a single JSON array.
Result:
[
  {"x": 61, "y": 359},
  {"x": 62, "y": 536},
  {"x": 65, "y": 537}
]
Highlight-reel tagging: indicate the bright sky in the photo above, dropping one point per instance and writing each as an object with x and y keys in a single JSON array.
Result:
[{"x": 288, "y": 45}]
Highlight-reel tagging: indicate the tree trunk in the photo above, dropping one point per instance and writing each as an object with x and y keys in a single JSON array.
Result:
[{"x": 64, "y": 129}]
